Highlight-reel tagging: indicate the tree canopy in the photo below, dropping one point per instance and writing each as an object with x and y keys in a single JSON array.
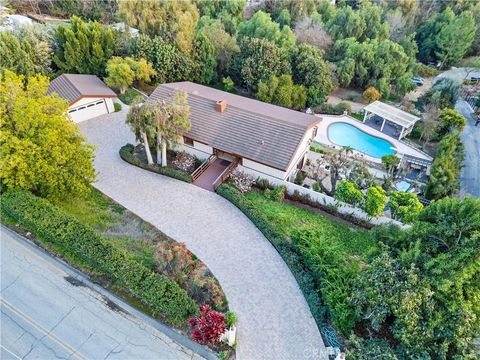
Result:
[
  {"x": 282, "y": 91},
  {"x": 28, "y": 50},
  {"x": 261, "y": 26},
  {"x": 41, "y": 150},
  {"x": 84, "y": 47}
]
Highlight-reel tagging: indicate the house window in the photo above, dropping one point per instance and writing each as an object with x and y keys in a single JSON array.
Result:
[{"x": 187, "y": 141}]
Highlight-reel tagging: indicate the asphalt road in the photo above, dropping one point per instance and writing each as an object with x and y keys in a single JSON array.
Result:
[
  {"x": 49, "y": 312},
  {"x": 470, "y": 177}
]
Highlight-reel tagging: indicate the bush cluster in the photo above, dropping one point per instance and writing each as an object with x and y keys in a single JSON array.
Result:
[
  {"x": 277, "y": 193},
  {"x": 304, "y": 277},
  {"x": 338, "y": 109},
  {"x": 52, "y": 226},
  {"x": 126, "y": 153}
]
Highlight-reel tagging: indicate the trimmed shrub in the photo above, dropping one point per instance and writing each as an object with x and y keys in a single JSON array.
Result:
[
  {"x": 117, "y": 106},
  {"x": 405, "y": 206},
  {"x": 277, "y": 193},
  {"x": 375, "y": 201},
  {"x": 348, "y": 192},
  {"x": 126, "y": 153},
  {"x": 54, "y": 227}
]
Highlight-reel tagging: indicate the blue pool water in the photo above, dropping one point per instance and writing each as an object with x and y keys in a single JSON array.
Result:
[{"x": 344, "y": 134}]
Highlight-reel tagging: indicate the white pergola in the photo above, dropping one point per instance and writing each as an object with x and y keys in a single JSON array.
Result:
[{"x": 390, "y": 113}]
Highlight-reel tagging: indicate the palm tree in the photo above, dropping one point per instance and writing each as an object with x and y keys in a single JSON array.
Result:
[
  {"x": 171, "y": 120},
  {"x": 139, "y": 119}
]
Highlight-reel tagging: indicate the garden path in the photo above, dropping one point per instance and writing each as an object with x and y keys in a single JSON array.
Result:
[{"x": 274, "y": 319}]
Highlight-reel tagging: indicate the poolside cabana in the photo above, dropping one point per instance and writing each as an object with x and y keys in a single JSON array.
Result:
[{"x": 384, "y": 113}]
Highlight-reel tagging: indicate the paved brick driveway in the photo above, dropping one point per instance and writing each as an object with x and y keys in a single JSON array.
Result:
[{"x": 275, "y": 322}]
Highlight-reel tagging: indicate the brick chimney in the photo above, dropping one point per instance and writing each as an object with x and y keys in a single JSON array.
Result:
[{"x": 221, "y": 105}]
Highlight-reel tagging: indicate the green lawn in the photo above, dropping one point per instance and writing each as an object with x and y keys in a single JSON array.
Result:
[
  {"x": 332, "y": 252},
  {"x": 288, "y": 219}
]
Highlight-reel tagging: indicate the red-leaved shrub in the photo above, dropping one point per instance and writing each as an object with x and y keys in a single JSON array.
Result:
[{"x": 208, "y": 327}]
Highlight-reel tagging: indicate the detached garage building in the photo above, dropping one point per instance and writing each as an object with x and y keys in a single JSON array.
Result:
[{"x": 88, "y": 96}]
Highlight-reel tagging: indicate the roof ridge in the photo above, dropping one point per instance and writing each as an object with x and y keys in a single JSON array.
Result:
[
  {"x": 251, "y": 111},
  {"x": 70, "y": 81}
]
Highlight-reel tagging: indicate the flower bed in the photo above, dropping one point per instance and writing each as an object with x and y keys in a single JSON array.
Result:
[{"x": 127, "y": 153}]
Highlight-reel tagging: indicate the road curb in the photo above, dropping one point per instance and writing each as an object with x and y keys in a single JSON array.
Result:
[{"x": 175, "y": 336}]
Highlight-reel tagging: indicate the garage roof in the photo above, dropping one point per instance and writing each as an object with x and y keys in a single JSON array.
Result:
[
  {"x": 73, "y": 87},
  {"x": 249, "y": 128}
]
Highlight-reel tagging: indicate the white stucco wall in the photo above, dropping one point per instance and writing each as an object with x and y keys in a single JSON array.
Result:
[
  {"x": 90, "y": 112},
  {"x": 301, "y": 151},
  {"x": 199, "y": 150},
  {"x": 261, "y": 170}
]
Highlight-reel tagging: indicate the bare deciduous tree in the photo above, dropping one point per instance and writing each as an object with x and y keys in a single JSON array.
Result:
[{"x": 311, "y": 32}]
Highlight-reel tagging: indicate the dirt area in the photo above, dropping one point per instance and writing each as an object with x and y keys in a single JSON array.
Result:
[
  {"x": 420, "y": 90},
  {"x": 350, "y": 96}
]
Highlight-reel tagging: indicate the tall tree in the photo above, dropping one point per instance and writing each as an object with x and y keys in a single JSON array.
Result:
[
  {"x": 140, "y": 120},
  {"x": 445, "y": 171},
  {"x": 175, "y": 21},
  {"x": 258, "y": 60},
  {"x": 27, "y": 50},
  {"x": 84, "y": 47},
  {"x": 311, "y": 70},
  {"x": 346, "y": 23},
  {"x": 224, "y": 44},
  {"x": 205, "y": 61},
  {"x": 41, "y": 150},
  {"x": 168, "y": 61},
  {"x": 455, "y": 39},
  {"x": 261, "y": 26},
  {"x": 171, "y": 120},
  {"x": 123, "y": 72},
  {"x": 282, "y": 91}
]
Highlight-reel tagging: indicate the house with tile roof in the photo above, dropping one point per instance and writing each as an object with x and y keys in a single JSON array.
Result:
[
  {"x": 87, "y": 95},
  {"x": 262, "y": 139}
]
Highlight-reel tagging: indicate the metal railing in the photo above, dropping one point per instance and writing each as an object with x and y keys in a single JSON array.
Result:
[{"x": 199, "y": 171}]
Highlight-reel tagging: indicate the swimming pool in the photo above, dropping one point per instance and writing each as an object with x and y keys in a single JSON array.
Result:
[{"x": 344, "y": 134}]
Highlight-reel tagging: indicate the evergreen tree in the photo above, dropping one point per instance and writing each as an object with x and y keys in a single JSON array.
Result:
[
  {"x": 205, "y": 62},
  {"x": 84, "y": 47},
  {"x": 310, "y": 70},
  {"x": 257, "y": 61}
]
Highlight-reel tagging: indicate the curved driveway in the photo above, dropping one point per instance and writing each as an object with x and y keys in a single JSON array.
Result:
[{"x": 274, "y": 319}]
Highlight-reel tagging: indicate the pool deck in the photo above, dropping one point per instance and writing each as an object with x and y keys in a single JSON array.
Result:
[{"x": 401, "y": 147}]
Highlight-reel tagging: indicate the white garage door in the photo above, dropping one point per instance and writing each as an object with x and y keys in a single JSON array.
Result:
[{"x": 88, "y": 111}]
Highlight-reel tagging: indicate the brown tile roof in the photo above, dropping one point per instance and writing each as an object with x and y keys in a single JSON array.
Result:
[
  {"x": 75, "y": 86},
  {"x": 261, "y": 132}
]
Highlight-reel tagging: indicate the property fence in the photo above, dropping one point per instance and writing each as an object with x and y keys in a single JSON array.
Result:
[
  {"x": 325, "y": 200},
  {"x": 471, "y": 98}
]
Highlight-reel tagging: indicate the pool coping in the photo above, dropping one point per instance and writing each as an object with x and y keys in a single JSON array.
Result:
[
  {"x": 401, "y": 147},
  {"x": 362, "y": 152}
]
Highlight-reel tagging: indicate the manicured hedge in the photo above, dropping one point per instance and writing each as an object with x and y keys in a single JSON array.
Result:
[
  {"x": 126, "y": 153},
  {"x": 304, "y": 277},
  {"x": 51, "y": 225}
]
